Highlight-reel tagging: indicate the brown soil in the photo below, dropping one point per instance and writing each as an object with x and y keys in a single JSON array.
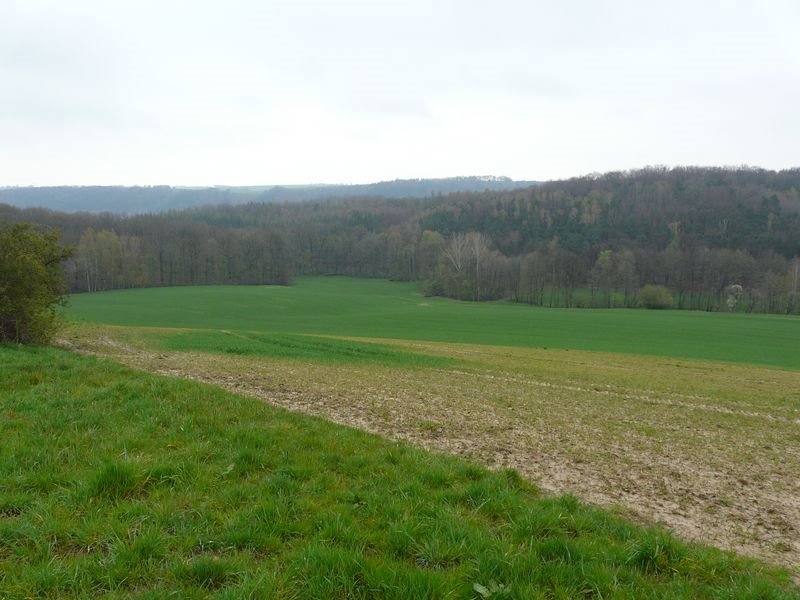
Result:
[{"x": 723, "y": 473}]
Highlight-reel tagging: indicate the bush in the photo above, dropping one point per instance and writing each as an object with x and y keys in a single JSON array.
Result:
[
  {"x": 655, "y": 296},
  {"x": 31, "y": 283}
]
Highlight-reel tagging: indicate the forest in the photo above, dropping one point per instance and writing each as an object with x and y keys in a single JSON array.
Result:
[{"x": 716, "y": 238}]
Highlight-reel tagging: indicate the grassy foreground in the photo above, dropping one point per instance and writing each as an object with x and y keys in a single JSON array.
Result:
[
  {"x": 708, "y": 449},
  {"x": 379, "y": 309},
  {"x": 119, "y": 483}
]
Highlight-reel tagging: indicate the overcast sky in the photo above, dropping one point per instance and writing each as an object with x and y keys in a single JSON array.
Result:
[{"x": 242, "y": 92}]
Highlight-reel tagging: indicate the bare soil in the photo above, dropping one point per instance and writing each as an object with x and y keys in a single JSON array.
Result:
[{"x": 712, "y": 452}]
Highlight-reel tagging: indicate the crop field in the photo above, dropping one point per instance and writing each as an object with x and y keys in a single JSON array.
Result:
[
  {"x": 343, "y": 306},
  {"x": 687, "y": 420}
]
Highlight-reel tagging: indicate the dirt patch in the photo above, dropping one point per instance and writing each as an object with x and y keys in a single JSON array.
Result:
[{"x": 709, "y": 462}]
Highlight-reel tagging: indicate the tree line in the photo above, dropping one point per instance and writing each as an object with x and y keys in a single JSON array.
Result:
[{"x": 717, "y": 239}]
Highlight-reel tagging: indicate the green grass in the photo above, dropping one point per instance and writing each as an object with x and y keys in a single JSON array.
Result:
[
  {"x": 296, "y": 347},
  {"x": 121, "y": 484},
  {"x": 341, "y": 306}
]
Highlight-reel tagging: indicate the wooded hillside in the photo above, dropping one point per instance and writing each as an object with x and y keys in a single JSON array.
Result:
[{"x": 718, "y": 239}]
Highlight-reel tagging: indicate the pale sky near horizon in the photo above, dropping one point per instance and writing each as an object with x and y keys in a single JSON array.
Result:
[{"x": 247, "y": 92}]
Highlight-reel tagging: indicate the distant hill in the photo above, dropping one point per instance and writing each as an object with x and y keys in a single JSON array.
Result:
[
  {"x": 399, "y": 188},
  {"x": 155, "y": 199}
]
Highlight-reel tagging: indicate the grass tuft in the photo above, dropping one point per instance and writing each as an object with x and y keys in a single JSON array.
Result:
[
  {"x": 657, "y": 553},
  {"x": 207, "y": 572},
  {"x": 115, "y": 480}
]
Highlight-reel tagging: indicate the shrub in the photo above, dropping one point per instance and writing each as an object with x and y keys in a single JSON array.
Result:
[
  {"x": 31, "y": 283},
  {"x": 655, "y": 296}
]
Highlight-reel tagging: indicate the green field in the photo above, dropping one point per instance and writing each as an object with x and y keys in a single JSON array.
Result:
[
  {"x": 378, "y": 309},
  {"x": 685, "y": 420},
  {"x": 116, "y": 483},
  {"x": 296, "y": 347}
]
